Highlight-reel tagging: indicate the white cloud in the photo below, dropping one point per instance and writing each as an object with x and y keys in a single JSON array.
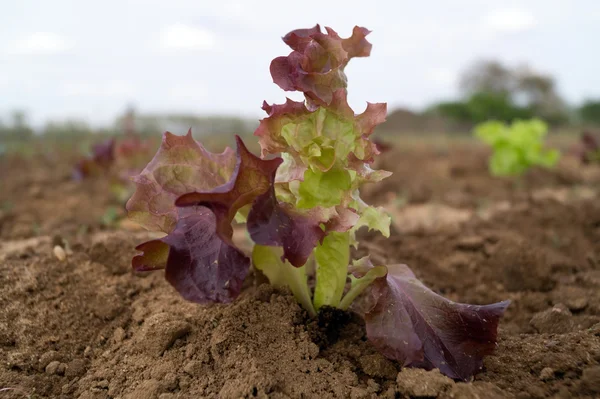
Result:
[
  {"x": 186, "y": 94},
  {"x": 41, "y": 43},
  {"x": 509, "y": 20},
  {"x": 113, "y": 88},
  {"x": 442, "y": 76},
  {"x": 180, "y": 36}
]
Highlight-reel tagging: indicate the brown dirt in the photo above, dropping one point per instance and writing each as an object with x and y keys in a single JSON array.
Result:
[{"x": 86, "y": 327}]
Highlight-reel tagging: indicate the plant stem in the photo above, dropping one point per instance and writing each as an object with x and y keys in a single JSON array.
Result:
[
  {"x": 359, "y": 285},
  {"x": 296, "y": 280},
  {"x": 351, "y": 296}
]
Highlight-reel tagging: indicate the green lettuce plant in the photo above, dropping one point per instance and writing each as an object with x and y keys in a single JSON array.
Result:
[{"x": 516, "y": 147}]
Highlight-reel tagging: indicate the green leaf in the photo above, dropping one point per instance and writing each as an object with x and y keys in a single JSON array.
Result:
[
  {"x": 516, "y": 147},
  {"x": 242, "y": 214},
  {"x": 375, "y": 219},
  {"x": 283, "y": 274},
  {"x": 490, "y": 132},
  {"x": 369, "y": 274},
  {"x": 323, "y": 189},
  {"x": 333, "y": 257},
  {"x": 506, "y": 161},
  {"x": 549, "y": 158}
]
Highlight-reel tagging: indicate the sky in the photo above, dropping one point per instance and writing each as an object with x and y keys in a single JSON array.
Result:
[{"x": 89, "y": 60}]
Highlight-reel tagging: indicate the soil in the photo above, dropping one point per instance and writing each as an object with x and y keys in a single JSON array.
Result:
[{"x": 86, "y": 326}]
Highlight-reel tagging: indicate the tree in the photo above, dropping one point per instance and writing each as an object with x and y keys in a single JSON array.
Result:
[
  {"x": 67, "y": 128},
  {"x": 538, "y": 92},
  {"x": 19, "y": 128},
  {"x": 491, "y": 90},
  {"x": 487, "y": 77},
  {"x": 589, "y": 112},
  {"x": 483, "y": 106}
]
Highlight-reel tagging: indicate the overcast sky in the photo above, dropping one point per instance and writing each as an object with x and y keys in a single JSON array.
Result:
[{"x": 89, "y": 59}]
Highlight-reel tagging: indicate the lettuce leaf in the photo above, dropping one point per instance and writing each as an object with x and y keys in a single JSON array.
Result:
[
  {"x": 101, "y": 158},
  {"x": 201, "y": 266},
  {"x": 251, "y": 178},
  {"x": 275, "y": 224},
  {"x": 180, "y": 166},
  {"x": 193, "y": 195},
  {"x": 316, "y": 64},
  {"x": 281, "y": 273},
  {"x": 333, "y": 257},
  {"x": 408, "y": 322}
]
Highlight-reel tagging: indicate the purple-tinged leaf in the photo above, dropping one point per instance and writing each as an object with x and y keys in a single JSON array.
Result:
[
  {"x": 382, "y": 146},
  {"x": 154, "y": 256},
  {"x": 357, "y": 45},
  {"x": 251, "y": 178},
  {"x": 337, "y": 133},
  {"x": 590, "y": 148},
  {"x": 409, "y": 323},
  {"x": 180, "y": 166},
  {"x": 299, "y": 38},
  {"x": 316, "y": 66},
  {"x": 102, "y": 157},
  {"x": 374, "y": 115},
  {"x": 342, "y": 219},
  {"x": 200, "y": 265},
  {"x": 279, "y": 115},
  {"x": 275, "y": 224}
]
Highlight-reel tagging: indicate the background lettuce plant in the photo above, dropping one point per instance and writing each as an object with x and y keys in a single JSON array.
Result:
[
  {"x": 301, "y": 205},
  {"x": 517, "y": 146},
  {"x": 590, "y": 148}
]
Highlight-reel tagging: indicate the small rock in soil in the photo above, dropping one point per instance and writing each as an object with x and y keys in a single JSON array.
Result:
[
  {"x": 160, "y": 331},
  {"x": 546, "y": 374},
  {"x": 376, "y": 365},
  {"x": 193, "y": 368},
  {"x": 557, "y": 320},
  {"x": 56, "y": 368},
  {"x": 590, "y": 380},
  {"x": 75, "y": 368},
  {"x": 118, "y": 335},
  {"x": 48, "y": 357},
  {"x": 52, "y": 367},
  {"x": 60, "y": 253},
  {"x": 473, "y": 243},
  {"x": 148, "y": 390},
  {"x": 419, "y": 383},
  {"x": 577, "y": 304},
  {"x": 575, "y": 298},
  {"x": 476, "y": 390}
]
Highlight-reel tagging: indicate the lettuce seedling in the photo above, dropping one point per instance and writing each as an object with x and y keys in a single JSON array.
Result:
[
  {"x": 517, "y": 146},
  {"x": 301, "y": 206},
  {"x": 115, "y": 160},
  {"x": 590, "y": 148},
  {"x": 122, "y": 157},
  {"x": 101, "y": 159}
]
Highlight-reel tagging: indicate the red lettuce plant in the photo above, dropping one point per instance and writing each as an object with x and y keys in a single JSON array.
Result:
[
  {"x": 301, "y": 205},
  {"x": 590, "y": 148},
  {"x": 100, "y": 160},
  {"x": 122, "y": 157},
  {"x": 115, "y": 160}
]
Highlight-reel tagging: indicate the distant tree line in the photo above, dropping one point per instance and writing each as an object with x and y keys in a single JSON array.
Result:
[
  {"x": 491, "y": 90},
  {"x": 18, "y": 127}
]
